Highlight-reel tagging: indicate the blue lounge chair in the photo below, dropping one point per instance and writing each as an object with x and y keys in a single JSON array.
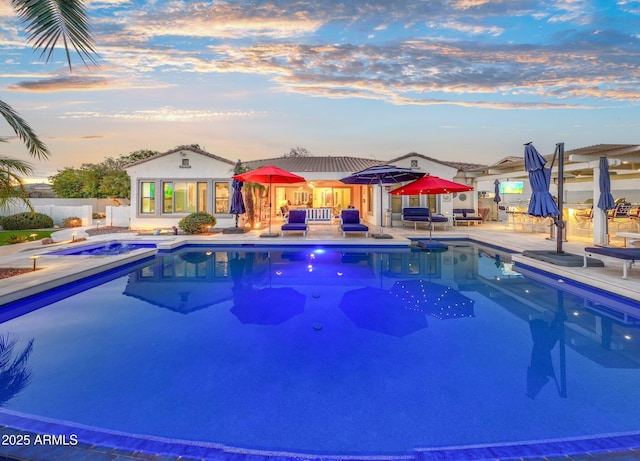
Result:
[
  {"x": 628, "y": 255},
  {"x": 350, "y": 222},
  {"x": 297, "y": 222}
]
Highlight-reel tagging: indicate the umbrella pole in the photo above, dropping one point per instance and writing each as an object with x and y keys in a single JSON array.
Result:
[
  {"x": 270, "y": 210},
  {"x": 560, "y": 222}
]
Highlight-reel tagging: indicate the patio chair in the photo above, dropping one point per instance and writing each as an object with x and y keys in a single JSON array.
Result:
[
  {"x": 350, "y": 222},
  {"x": 297, "y": 222}
]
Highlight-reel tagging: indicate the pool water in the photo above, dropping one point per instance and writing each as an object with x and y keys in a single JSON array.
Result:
[
  {"x": 103, "y": 249},
  {"x": 333, "y": 351}
]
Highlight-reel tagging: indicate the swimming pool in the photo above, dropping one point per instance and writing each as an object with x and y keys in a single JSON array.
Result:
[
  {"x": 355, "y": 355},
  {"x": 103, "y": 249}
]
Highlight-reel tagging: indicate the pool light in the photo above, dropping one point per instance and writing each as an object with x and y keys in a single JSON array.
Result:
[{"x": 35, "y": 259}]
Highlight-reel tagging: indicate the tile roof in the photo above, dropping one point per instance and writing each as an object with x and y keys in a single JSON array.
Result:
[{"x": 316, "y": 164}]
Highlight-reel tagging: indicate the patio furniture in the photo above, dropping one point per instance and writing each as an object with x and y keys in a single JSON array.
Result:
[
  {"x": 297, "y": 222},
  {"x": 628, "y": 256},
  {"x": 466, "y": 216},
  {"x": 634, "y": 237},
  {"x": 620, "y": 215},
  {"x": 350, "y": 222},
  {"x": 416, "y": 215}
]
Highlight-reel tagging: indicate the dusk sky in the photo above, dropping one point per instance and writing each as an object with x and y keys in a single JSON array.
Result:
[{"x": 460, "y": 80}]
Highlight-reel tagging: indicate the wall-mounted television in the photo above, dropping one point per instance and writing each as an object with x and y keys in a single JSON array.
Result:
[{"x": 511, "y": 187}]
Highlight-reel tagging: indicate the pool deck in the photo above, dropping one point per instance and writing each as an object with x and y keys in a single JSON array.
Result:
[{"x": 54, "y": 270}]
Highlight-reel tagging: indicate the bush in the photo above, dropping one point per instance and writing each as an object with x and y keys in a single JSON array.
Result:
[
  {"x": 197, "y": 223},
  {"x": 74, "y": 221},
  {"x": 13, "y": 239},
  {"x": 23, "y": 221},
  {"x": 99, "y": 215}
]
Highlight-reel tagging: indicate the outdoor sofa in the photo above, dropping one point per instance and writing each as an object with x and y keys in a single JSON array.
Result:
[
  {"x": 467, "y": 216},
  {"x": 416, "y": 215}
]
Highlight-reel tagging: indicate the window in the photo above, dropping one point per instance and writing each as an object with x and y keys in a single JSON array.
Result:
[
  {"x": 222, "y": 197},
  {"x": 414, "y": 164},
  {"x": 184, "y": 197},
  {"x": 147, "y": 197}
]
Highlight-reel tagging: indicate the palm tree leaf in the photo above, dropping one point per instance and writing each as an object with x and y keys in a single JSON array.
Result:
[
  {"x": 49, "y": 21},
  {"x": 22, "y": 128}
]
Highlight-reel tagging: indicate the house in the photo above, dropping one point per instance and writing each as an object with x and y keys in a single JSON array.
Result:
[{"x": 169, "y": 186}]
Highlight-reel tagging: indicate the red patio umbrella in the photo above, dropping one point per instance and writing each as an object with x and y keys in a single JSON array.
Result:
[
  {"x": 431, "y": 185},
  {"x": 268, "y": 175}
]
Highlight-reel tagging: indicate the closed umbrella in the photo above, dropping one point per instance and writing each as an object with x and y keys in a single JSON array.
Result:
[
  {"x": 542, "y": 203},
  {"x": 237, "y": 201},
  {"x": 268, "y": 175},
  {"x": 606, "y": 201},
  {"x": 382, "y": 174},
  {"x": 431, "y": 185},
  {"x": 497, "y": 198}
]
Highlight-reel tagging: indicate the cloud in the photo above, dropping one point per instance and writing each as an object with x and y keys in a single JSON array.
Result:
[
  {"x": 70, "y": 83},
  {"x": 165, "y": 114}
]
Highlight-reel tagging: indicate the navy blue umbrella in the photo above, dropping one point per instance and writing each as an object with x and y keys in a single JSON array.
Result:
[
  {"x": 497, "y": 198},
  {"x": 606, "y": 201},
  {"x": 542, "y": 203},
  {"x": 378, "y": 310},
  {"x": 382, "y": 174},
  {"x": 237, "y": 201}
]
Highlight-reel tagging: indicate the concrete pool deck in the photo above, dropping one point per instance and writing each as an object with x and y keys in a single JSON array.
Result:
[{"x": 56, "y": 270}]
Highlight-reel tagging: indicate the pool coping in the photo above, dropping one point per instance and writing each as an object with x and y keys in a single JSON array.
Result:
[
  {"x": 208, "y": 450},
  {"x": 164, "y": 446}
]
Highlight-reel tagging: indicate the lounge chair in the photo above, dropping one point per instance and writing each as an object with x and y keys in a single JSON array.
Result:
[
  {"x": 628, "y": 255},
  {"x": 297, "y": 222},
  {"x": 350, "y": 222}
]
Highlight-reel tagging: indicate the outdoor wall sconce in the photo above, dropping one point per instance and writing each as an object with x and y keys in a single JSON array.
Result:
[{"x": 35, "y": 259}]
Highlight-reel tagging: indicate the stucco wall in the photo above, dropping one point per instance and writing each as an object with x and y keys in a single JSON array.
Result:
[{"x": 172, "y": 167}]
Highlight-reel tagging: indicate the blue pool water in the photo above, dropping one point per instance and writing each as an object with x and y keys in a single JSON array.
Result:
[
  {"x": 103, "y": 249},
  {"x": 335, "y": 350}
]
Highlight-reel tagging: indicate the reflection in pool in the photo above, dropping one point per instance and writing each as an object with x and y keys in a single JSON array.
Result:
[{"x": 334, "y": 350}]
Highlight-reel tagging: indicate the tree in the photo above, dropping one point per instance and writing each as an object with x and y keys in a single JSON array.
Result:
[
  {"x": 107, "y": 179},
  {"x": 298, "y": 152},
  {"x": 46, "y": 23}
]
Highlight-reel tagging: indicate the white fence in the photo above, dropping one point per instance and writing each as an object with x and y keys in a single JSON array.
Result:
[
  {"x": 319, "y": 215},
  {"x": 118, "y": 216}
]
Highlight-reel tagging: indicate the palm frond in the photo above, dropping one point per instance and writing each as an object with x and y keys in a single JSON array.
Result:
[
  {"x": 22, "y": 128},
  {"x": 50, "y": 21},
  {"x": 12, "y": 188}
]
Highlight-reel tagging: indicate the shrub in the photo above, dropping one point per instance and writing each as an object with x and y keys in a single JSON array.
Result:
[
  {"x": 197, "y": 223},
  {"x": 99, "y": 215},
  {"x": 74, "y": 221},
  {"x": 13, "y": 239},
  {"x": 23, "y": 221}
]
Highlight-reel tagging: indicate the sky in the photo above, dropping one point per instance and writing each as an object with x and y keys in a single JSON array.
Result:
[{"x": 458, "y": 80}]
